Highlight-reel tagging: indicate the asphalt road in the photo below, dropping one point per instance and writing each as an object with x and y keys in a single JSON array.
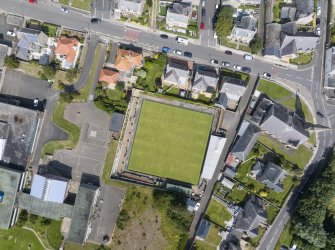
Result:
[{"x": 207, "y": 34}]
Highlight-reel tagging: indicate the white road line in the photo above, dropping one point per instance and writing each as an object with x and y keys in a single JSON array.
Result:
[
  {"x": 288, "y": 75},
  {"x": 298, "y": 77}
]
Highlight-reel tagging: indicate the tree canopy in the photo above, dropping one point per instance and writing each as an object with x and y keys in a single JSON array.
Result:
[{"x": 224, "y": 23}]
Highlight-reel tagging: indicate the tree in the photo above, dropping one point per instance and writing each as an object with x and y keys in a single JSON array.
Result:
[
  {"x": 332, "y": 35},
  {"x": 256, "y": 44},
  {"x": 48, "y": 72},
  {"x": 71, "y": 74},
  {"x": 149, "y": 2},
  {"x": 11, "y": 62},
  {"x": 224, "y": 23},
  {"x": 312, "y": 233}
]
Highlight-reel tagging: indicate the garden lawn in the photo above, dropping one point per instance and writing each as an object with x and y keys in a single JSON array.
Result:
[
  {"x": 302, "y": 59},
  {"x": 49, "y": 29},
  {"x": 213, "y": 236},
  {"x": 202, "y": 245},
  {"x": 284, "y": 97},
  {"x": 272, "y": 212},
  {"x": 300, "y": 157},
  {"x": 235, "y": 74},
  {"x": 17, "y": 238},
  {"x": 278, "y": 197},
  {"x": 237, "y": 196},
  {"x": 286, "y": 237},
  {"x": 154, "y": 69},
  {"x": 170, "y": 142},
  {"x": 81, "y": 4},
  {"x": 217, "y": 213}
]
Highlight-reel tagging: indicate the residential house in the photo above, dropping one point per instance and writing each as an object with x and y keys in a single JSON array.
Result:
[
  {"x": 126, "y": 61},
  {"x": 177, "y": 16},
  {"x": 205, "y": 82},
  {"x": 30, "y": 44},
  {"x": 269, "y": 174},
  {"x": 250, "y": 2},
  {"x": 226, "y": 182},
  {"x": 287, "y": 14},
  {"x": 231, "y": 92},
  {"x": 11, "y": 181},
  {"x": 281, "y": 123},
  {"x": 177, "y": 74},
  {"x": 49, "y": 188},
  {"x": 130, "y": 7},
  {"x": 329, "y": 80},
  {"x": 109, "y": 77},
  {"x": 304, "y": 8},
  {"x": 284, "y": 41},
  {"x": 203, "y": 229},
  {"x": 246, "y": 138},
  {"x": 67, "y": 51},
  {"x": 244, "y": 30},
  {"x": 251, "y": 217}
]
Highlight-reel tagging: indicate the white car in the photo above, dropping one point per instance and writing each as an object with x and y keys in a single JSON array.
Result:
[
  {"x": 64, "y": 10},
  {"x": 225, "y": 64},
  {"x": 203, "y": 3},
  {"x": 216, "y": 6},
  {"x": 35, "y": 102},
  {"x": 318, "y": 31},
  {"x": 214, "y": 62},
  {"x": 177, "y": 52},
  {"x": 237, "y": 67},
  {"x": 318, "y": 11},
  {"x": 268, "y": 75},
  {"x": 197, "y": 206},
  {"x": 11, "y": 33}
]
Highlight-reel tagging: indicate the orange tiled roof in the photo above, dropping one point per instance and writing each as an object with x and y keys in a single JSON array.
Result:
[
  {"x": 126, "y": 59},
  {"x": 65, "y": 46},
  {"x": 109, "y": 76}
]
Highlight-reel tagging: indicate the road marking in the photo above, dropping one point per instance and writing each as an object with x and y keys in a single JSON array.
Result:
[{"x": 298, "y": 77}]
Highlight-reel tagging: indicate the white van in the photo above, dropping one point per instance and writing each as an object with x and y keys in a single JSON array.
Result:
[
  {"x": 181, "y": 40},
  {"x": 248, "y": 57}
]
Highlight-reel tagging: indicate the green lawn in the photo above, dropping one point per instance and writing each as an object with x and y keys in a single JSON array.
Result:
[
  {"x": 81, "y": 4},
  {"x": 300, "y": 157},
  {"x": 284, "y": 97},
  {"x": 255, "y": 241},
  {"x": 276, "y": 10},
  {"x": 202, "y": 245},
  {"x": 302, "y": 59},
  {"x": 217, "y": 213},
  {"x": 170, "y": 142},
  {"x": 17, "y": 238},
  {"x": 213, "y": 236},
  {"x": 237, "y": 196},
  {"x": 278, "y": 198},
  {"x": 235, "y": 74},
  {"x": 241, "y": 175},
  {"x": 66, "y": 2},
  {"x": 162, "y": 10},
  {"x": 286, "y": 237},
  {"x": 49, "y": 29},
  {"x": 272, "y": 212},
  {"x": 69, "y": 127}
]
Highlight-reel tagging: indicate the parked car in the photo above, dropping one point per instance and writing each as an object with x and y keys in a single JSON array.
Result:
[
  {"x": 196, "y": 207},
  {"x": 318, "y": 11},
  {"x": 95, "y": 20},
  {"x": 318, "y": 31},
  {"x": 228, "y": 52},
  {"x": 35, "y": 102},
  {"x": 164, "y": 36},
  {"x": 202, "y": 25},
  {"x": 11, "y": 33},
  {"x": 64, "y": 10},
  {"x": 246, "y": 70},
  {"x": 203, "y": 12},
  {"x": 187, "y": 54},
  {"x": 320, "y": 114},
  {"x": 216, "y": 6},
  {"x": 268, "y": 75},
  {"x": 181, "y": 40},
  {"x": 177, "y": 52},
  {"x": 203, "y": 3},
  {"x": 237, "y": 67},
  {"x": 225, "y": 64},
  {"x": 214, "y": 62},
  {"x": 166, "y": 49},
  {"x": 248, "y": 57},
  {"x": 32, "y": 1}
]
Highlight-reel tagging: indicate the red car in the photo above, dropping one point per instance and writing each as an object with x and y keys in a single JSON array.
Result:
[
  {"x": 202, "y": 25},
  {"x": 32, "y": 1}
]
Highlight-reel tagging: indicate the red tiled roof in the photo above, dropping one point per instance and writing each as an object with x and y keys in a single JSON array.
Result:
[
  {"x": 126, "y": 59},
  {"x": 109, "y": 76},
  {"x": 65, "y": 46}
]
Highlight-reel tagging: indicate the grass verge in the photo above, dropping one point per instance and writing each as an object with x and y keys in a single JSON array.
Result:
[{"x": 81, "y": 4}]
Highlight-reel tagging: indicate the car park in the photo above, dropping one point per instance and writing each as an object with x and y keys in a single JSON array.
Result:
[
  {"x": 268, "y": 75},
  {"x": 225, "y": 64},
  {"x": 246, "y": 69},
  {"x": 95, "y": 20},
  {"x": 228, "y": 52},
  {"x": 166, "y": 49},
  {"x": 319, "y": 114},
  {"x": 187, "y": 54},
  {"x": 248, "y": 57},
  {"x": 214, "y": 62},
  {"x": 181, "y": 40},
  {"x": 11, "y": 33},
  {"x": 177, "y": 52},
  {"x": 237, "y": 67},
  {"x": 164, "y": 36},
  {"x": 64, "y": 10},
  {"x": 202, "y": 25}
]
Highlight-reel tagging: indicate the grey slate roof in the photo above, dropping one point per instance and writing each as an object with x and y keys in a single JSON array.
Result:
[
  {"x": 280, "y": 122},
  {"x": 10, "y": 181},
  {"x": 176, "y": 71},
  {"x": 304, "y": 7},
  {"x": 248, "y": 23},
  {"x": 116, "y": 122},
  {"x": 246, "y": 139},
  {"x": 272, "y": 39},
  {"x": 205, "y": 80},
  {"x": 178, "y": 12},
  {"x": 82, "y": 212},
  {"x": 288, "y": 13},
  {"x": 233, "y": 86},
  {"x": 29, "y": 40},
  {"x": 131, "y": 5},
  {"x": 249, "y": 218},
  {"x": 269, "y": 174}
]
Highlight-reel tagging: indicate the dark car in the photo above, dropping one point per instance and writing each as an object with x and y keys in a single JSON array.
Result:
[
  {"x": 95, "y": 20},
  {"x": 187, "y": 54},
  {"x": 166, "y": 49},
  {"x": 164, "y": 36},
  {"x": 246, "y": 69},
  {"x": 203, "y": 12},
  {"x": 319, "y": 114},
  {"x": 228, "y": 52}
]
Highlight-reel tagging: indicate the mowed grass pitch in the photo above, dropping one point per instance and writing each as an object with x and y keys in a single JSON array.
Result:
[{"x": 170, "y": 142}]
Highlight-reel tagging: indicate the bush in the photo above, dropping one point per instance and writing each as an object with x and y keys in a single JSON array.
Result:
[
  {"x": 71, "y": 74},
  {"x": 149, "y": 2},
  {"x": 224, "y": 23},
  {"x": 256, "y": 44},
  {"x": 11, "y": 62},
  {"x": 48, "y": 72}
]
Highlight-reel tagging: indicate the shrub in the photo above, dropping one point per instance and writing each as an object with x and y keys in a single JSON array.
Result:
[{"x": 11, "y": 62}]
